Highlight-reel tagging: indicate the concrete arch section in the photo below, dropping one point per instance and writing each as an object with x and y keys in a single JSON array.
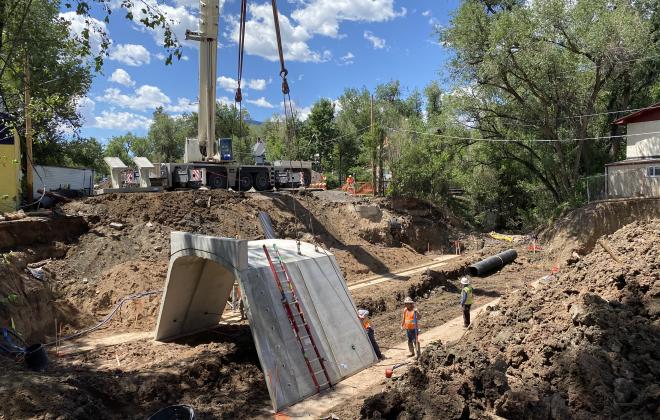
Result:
[{"x": 201, "y": 272}]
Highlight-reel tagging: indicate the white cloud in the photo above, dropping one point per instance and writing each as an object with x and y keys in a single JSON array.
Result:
[
  {"x": 426, "y": 13},
  {"x": 122, "y": 77},
  {"x": 348, "y": 58},
  {"x": 145, "y": 97},
  {"x": 378, "y": 43},
  {"x": 121, "y": 121},
  {"x": 256, "y": 84},
  {"x": 78, "y": 23},
  {"x": 261, "y": 102},
  {"x": 260, "y": 36},
  {"x": 130, "y": 54},
  {"x": 183, "y": 105},
  {"x": 301, "y": 112},
  {"x": 324, "y": 16},
  {"x": 85, "y": 108},
  {"x": 229, "y": 84},
  {"x": 185, "y": 58}
]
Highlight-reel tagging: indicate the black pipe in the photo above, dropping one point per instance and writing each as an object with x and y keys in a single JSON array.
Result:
[
  {"x": 493, "y": 263},
  {"x": 267, "y": 225}
]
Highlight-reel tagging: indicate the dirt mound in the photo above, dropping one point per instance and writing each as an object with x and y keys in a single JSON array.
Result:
[
  {"x": 217, "y": 373},
  {"x": 584, "y": 345},
  {"x": 579, "y": 230},
  {"x": 28, "y": 303}
]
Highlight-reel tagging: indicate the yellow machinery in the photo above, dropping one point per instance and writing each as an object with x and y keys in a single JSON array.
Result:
[{"x": 10, "y": 173}]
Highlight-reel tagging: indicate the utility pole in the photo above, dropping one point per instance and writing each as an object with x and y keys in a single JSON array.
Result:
[
  {"x": 374, "y": 182},
  {"x": 28, "y": 131}
]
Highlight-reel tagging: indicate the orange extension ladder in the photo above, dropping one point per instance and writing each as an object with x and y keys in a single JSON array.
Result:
[{"x": 301, "y": 322}]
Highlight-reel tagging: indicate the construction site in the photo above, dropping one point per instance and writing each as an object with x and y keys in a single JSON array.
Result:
[
  {"x": 492, "y": 255},
  {"x": 568, "y": 331}
]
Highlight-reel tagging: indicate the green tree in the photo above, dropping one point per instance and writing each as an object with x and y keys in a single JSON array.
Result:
[
  {"x": 168, "y": 142},
  {"x": 86, "y": 153},
  {"x": 322, "y": 131},
  {"x": 120, "y": 146},
  {"x": 36, "y": 45},
  {"x": 547, "y": 70}
]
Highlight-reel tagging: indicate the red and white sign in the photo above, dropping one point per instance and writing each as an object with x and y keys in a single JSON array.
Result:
[{"x": 196, "y": 175}]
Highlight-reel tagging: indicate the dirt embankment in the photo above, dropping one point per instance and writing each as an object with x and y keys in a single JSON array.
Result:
[
  {"x": 585, "y": 345},
  {"x": 579, "y": 230},
  {"x": 124, "y": 249}
]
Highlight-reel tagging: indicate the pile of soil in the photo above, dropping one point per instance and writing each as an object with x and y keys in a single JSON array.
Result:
[
  {"x": 583, "y": 345},
  {"x": 217, "y": 373}
]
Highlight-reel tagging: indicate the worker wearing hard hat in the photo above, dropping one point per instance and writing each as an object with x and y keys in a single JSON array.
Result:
[
  {"x": 350, "y": 182},
  {"x": 410, "y": 323},
  {"x": 467, "y": 298},
  {"x": 363, "y": 315}
]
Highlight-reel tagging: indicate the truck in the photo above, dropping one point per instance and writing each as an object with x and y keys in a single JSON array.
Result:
[
  {"x": 207, "y": 161},
  {"x": 206, "y": 164}
]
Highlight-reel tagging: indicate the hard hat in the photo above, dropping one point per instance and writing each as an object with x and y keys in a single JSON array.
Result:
[
  {"x": 408, "y": 299},
  {"x": 362, "y": 313},
  {"x": 465, "y": 280}
]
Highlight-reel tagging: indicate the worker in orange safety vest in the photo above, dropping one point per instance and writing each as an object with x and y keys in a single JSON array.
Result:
[
  {"x": 363, "y": 315},
  {"x": 350, "y": 182},
  {"x": 410, "y": 323}
]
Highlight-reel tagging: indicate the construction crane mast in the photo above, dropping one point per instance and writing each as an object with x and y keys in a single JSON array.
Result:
[{"x": 209, "y": 13}]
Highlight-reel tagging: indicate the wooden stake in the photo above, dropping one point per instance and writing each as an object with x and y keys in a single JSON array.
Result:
[{"x": 607, "y": 248}]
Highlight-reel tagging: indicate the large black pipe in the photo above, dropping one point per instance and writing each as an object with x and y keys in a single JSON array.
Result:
[
  {"x": 267, "y": 225},
  {"x": 493, "y": 263}
]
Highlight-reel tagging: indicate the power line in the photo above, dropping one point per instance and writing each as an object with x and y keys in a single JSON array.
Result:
[{"x": 518, "y": 140}]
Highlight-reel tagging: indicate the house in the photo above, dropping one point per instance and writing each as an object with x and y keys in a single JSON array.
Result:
[
  {"x": 10, "y": 167},
  {"x": 639, "y": 174}
]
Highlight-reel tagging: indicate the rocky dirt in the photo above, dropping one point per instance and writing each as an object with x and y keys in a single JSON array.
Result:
[
  {"x": 118, "y": 245},
  {"x": 583, "y": 345}
]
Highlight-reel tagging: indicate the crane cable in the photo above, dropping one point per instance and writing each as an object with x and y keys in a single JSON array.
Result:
[
  {"x": 238, "y": 97},
  {"x": 289, "y": 115}
]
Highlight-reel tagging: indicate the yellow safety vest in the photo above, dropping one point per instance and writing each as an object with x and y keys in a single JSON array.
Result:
[{"x": 469, "y": 299}]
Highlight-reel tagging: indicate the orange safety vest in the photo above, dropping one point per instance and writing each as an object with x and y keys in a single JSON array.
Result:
[
  {"x": 365, "y": 323},
  {"x": 409, "y": 319}
]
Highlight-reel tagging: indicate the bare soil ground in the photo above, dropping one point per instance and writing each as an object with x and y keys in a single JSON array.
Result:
[
  {"x": 87, "y": 269},
  {"x": 583, "y": 345},
  {"x": 90, "y": 265}
]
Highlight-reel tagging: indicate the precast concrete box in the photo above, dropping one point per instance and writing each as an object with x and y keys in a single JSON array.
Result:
[{"x": 200, "y": 277}]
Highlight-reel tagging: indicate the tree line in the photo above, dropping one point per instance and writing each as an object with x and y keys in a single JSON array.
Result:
[{"x": 522, "y": 116}]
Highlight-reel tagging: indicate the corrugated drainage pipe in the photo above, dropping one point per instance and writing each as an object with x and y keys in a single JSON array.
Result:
[{"x": 493, "y": 263}]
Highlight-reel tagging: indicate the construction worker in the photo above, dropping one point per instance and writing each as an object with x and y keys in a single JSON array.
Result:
[
  {"x": 350, "y": 182},
  {"x": 467, "y": 298},
  {"x": 363, "y": 315},
  {"x": 410, "y": 323}
]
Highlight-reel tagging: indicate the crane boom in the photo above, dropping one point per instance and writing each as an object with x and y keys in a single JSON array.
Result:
[{"x": 208, "y": 53}]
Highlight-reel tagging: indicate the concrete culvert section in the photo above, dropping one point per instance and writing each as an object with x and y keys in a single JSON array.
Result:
[{"x": 201, "y": 273}]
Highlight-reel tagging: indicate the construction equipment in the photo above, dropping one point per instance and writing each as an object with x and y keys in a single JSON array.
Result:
[
  {"x": 206, "y": 164},
  {"x": 297, "y": 320},
  {"x": 493, "y": 263}
]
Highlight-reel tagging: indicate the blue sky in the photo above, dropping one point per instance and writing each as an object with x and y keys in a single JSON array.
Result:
[{"x": 329, "y": 44}]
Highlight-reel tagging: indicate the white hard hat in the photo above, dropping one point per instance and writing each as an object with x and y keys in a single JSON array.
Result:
[
  {"x": 408, "y": 299},
  {"x": 465, "y": 280},
  {"x": 362, "y": 313}
]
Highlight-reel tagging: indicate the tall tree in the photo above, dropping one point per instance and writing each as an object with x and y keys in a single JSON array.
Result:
[
  {"x": 36, "y": 45},
  {"x": 322, "y": 130},
  {"x": 542, "y": 70},
  {"x": 168, "y": 142}
]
